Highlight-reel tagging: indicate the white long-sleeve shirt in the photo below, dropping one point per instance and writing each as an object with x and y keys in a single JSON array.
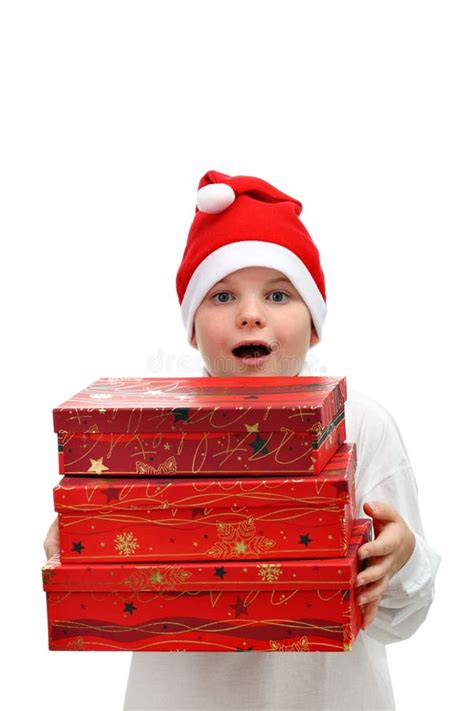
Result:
[{"x": 330, "y": 681}]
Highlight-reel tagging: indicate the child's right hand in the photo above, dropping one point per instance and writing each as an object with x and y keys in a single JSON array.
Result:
[{"x": 51, "y": 542}]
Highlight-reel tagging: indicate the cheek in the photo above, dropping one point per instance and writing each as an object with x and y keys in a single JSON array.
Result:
[
  {"x": 295, "y": 329},
  {"x": 210, "y": 333}
]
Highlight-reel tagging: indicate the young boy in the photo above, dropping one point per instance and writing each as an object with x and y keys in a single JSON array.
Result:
[{"x": 253, "y": 302}]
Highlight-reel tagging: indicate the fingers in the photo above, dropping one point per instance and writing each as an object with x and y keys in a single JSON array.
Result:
[
  {"x": 50, "y": 548},
  {"x": 51, "y": 543},
  {"x": 378, "y": 568},
  {"x": 370, "y": 598},
  {"x": 369, "y": 612},
  {"x": 388, "y": 541},
  {"x": 392, "y": 546},
  {"x": 381, "y": 511},
  {"x": 373, "y": 591}
]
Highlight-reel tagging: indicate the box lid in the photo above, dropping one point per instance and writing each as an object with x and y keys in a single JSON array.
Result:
[
  {"x": 325, "y": 574},
  {"x": 333, "y": 486},
  {"x": 203, "y": 404}
]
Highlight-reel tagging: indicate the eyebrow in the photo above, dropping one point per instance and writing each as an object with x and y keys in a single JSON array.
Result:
[{"x": 270, "y": 281}]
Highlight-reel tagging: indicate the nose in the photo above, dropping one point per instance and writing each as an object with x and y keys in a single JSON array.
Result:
[
  {"x": 250, "y": 315},
  {"x": 250, "y": 321}
]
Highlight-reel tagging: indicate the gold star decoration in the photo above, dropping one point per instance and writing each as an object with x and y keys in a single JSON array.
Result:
[
  {"x": 252, "y": 428},
  {"x": 97, "y": 466}
]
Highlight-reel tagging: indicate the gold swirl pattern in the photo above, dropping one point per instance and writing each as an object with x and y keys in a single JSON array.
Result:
[{"x": 169, "y": 466}]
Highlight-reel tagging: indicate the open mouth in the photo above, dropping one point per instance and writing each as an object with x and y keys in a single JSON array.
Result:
[{"x": 251, "y": 351}]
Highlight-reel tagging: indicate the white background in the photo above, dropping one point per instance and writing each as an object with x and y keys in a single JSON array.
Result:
[{"x": 111, "y": 112}]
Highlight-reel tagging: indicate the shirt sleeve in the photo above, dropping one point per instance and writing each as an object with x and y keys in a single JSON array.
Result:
[{"x": 386, "y": 475}]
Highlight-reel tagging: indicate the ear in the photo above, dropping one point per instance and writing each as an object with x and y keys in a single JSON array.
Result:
[
  {"x": 314, "y": 337},
  {"x": 193, "y": 339}
]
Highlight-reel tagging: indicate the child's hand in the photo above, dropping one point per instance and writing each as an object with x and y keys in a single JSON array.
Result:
[
  {"x": 51, "y": 542},
  {"x": 392, "y": 546}
]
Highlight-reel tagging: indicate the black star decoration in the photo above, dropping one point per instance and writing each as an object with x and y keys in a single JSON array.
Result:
[
  {"x": 341, "y": 487},
  {"x": 259, "y": 445},
  {"x": 239, "y": 607},
  {"x": 77, "y": 547},
  {"x": 111, "y": 493},
  {"x": 305, "y": 539},
  {"x": 197, "y": 512},
  {"x": 180, "y": 413},
  {"x": 129, "y": 607},
  {"x": 220, "y": 572}
]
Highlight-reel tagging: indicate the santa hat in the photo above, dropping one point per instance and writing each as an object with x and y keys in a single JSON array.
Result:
[{"x": 241, "y": 221}]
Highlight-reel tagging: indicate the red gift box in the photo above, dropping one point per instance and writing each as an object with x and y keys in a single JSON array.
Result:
[
  {"x": 201, "y": 519},
  {"x": 201, "y": 426},
  {"x": 289, "y": 605}
]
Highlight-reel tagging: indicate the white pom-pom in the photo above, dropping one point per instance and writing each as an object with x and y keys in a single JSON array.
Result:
[{"x": 214, "y": 198}]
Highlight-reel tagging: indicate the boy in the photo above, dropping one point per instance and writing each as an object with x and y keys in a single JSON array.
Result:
[{"x": 253, "y": 301}]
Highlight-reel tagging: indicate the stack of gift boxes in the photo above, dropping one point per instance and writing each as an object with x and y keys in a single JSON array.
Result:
[{"x": 205, "y": 514}]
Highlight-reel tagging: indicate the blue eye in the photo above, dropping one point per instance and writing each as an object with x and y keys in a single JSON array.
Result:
[
  {"x": 280, "y": 293},
  {"x": 223, "y": 297},
  {"x": 221, "y": 293}
]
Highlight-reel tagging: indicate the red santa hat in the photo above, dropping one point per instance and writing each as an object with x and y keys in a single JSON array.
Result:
[{"x": 241, "y": 221}]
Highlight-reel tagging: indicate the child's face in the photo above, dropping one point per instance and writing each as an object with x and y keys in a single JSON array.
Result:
[{"x": 254, "y": 305}]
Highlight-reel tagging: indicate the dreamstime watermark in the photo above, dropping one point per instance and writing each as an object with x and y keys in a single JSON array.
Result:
[
  {"x": 168, "y": 363},
  {"x": 165, "y": 363}
]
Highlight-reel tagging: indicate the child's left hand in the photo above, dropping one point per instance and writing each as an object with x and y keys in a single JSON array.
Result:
[{"x": 392, "y": 546}]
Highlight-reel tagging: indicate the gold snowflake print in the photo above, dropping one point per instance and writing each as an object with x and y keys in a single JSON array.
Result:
[
  {"x": 169, "y": 578},
  {"x": 126, "y": 543},
  {"x": 76, "y": 644},
  {"x": 48, "y": 574},
  {"x": 269, "y": 571},
  {"x": 239, "y": 539},
  {"x": 300, "y": 645}
]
